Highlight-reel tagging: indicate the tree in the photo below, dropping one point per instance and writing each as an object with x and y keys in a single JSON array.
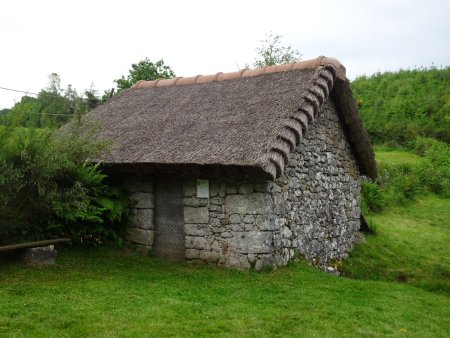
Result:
[
  {"x": 272, "y": 52},
  {"x": 107, "y": 94},
  {"x": 145, "y": 70},
  {"x": 92, "y": 100},
  {"x": 54, "y": 83},
  {"x": 52, "y": 107}
]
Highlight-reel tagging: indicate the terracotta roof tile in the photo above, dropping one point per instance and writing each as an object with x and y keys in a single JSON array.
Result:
[
  {"x": 207, "y": 78},
  {"x": 167, "y": 82},
  {"x": 279, "y": 68},
  {"x": 186, "y": 81},
  {"x": 253, "y": 72},
  {"x": 183, "y": 81},
  {"x": 230, "y": 76}
]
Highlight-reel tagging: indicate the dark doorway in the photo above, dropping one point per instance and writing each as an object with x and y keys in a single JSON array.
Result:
[{"x": 169, "y": 219}]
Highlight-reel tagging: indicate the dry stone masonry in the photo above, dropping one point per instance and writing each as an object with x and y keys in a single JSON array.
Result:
[
  {"x": 140, "y": 232},
  {"x": 312, "y": 210}
]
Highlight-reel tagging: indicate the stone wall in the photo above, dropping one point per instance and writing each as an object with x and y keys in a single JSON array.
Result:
[
  {"x": 233, "y": 227},
  {"x": 312, "y": 210},
  {"x": 140, "y": 232},
  {"x": 317, "y": 200}
]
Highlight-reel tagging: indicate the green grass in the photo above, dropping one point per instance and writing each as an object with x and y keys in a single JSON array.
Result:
[
  {"x": 113, "y": 293},
  {"x": 411, "y": 245},
  {"x": 396, "y": 157}
]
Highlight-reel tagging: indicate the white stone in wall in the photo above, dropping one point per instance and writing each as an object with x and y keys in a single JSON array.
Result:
[{"x": 286, "y": 232}]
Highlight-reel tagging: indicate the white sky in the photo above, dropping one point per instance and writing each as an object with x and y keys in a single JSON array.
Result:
[{"x": 92, "y": 41}]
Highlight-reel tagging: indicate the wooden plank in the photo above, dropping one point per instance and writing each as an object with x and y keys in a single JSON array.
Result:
[{"x": 34, "y": 244}]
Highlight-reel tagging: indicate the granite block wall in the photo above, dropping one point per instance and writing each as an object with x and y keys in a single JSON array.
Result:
[{"x": 140, "y": 231}]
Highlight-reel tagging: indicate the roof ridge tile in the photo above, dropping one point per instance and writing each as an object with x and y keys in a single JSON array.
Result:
[{"x": 307, "y": 64}]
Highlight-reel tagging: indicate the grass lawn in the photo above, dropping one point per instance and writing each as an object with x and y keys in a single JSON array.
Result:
[
  {"x": 395, "y": 156},
  {"x": 411, "y": 244},
  {"x": 113, "y": 293}
]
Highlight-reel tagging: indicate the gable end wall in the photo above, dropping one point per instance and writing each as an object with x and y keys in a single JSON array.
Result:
[{"x": 317, "y": 200}]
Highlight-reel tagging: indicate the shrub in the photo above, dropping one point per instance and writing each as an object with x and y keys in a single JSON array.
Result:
[
  {"x": 400, "y": 183},
  {"x": 372, "y": 197},
  {"x": 434, "y": 171},
  {"x": 47, "y": 189}
]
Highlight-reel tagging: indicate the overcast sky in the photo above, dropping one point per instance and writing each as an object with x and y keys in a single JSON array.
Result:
[{"x": 97, "y": 41}]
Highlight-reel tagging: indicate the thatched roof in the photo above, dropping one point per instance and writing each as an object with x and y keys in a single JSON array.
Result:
[{"x": 249, "y": 119}]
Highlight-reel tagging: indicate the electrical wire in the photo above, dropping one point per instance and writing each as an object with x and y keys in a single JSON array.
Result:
[
  {"x": 25, "y": 92},
  {"x": 47, "y": 94}
]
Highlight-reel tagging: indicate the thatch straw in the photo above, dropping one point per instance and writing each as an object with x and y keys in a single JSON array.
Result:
[{"x": 238, "y": 120}]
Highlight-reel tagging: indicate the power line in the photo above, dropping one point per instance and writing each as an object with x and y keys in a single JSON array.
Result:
[
  {"x": 25, "y": 92},
  {"x": 31, "y": 93},
  {"x": 18, "y": 91}
]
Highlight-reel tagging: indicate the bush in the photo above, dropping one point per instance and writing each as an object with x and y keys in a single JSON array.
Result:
[
  {"x": 372, "y": 197},
  {"x": 47, "y": 189},
  {"x": 434, "y": 172},
  {"x": 401, "y": 183}
]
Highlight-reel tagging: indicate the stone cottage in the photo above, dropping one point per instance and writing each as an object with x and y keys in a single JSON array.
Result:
[{"x": 248, "y": 169}]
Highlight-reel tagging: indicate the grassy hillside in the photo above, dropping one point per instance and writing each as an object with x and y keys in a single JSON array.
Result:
[{"x": 398, "y": 107}]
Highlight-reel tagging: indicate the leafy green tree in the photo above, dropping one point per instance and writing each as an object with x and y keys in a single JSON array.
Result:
[
  {"x": 53, "y": 106},
  {"x": 271, "y": 52},
  {"x": 145, "y": 70}
]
